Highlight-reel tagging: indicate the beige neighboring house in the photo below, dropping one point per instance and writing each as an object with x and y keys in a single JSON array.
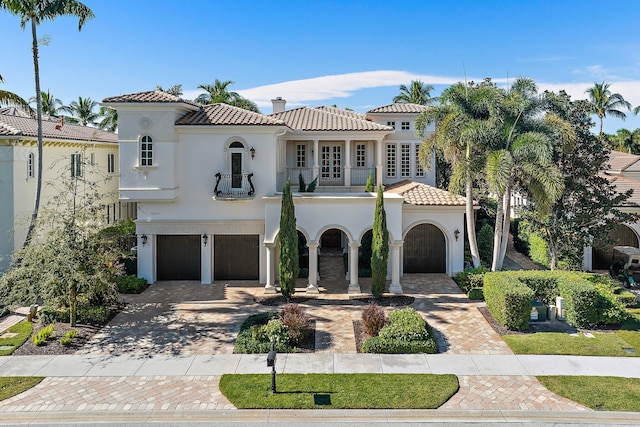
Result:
[{"x": 92, "y": 152}]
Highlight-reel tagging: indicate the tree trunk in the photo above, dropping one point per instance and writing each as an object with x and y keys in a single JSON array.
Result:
[
  {"x": 471, "y": 225},
  {"x": 72, "y": 306},
  {"x": 497, "y": 235},
  {"x": 506, "y": 223},
  {"x": 36, "y": 68}
]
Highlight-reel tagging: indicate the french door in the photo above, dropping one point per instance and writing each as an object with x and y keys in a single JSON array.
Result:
[{"x": 331, "y": 165}]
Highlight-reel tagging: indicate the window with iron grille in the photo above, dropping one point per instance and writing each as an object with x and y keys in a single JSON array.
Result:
[
  {"x": 391, "y": 160},
  {"x": 31, "y": 166},
  {"x": 146, "y": 151},
  {"x": 419, "y": 169},
  {"x": 301, "y": 156},
  {"x": 111, "y": 163},
  {"x": 76, "y": 164},
  {"x": 361, "y": 156},
  {"x": 405, "y": 160},
  {"x": 405, "y": 126}
]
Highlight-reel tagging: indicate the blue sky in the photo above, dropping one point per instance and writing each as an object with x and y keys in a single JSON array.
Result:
[{"x": 351, "y": 53}]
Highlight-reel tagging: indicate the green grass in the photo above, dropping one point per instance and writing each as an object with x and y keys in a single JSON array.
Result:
[
  {"x": 339, "y": 391},
  {"x": 599, "y": 393},
  {"x": 23, "y": 329},
  {"x": 11, "y": 386},
  {"x": 610, "y": 344}
]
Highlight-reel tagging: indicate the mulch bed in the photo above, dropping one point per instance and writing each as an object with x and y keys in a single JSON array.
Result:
[
  {"x": 359, "y": 334},
  {"x": 52, "y": 345},
  {"x": 277, "y": 300},
  {"x": 308, "y": 344},
  {"x": 389, "y": 300}
]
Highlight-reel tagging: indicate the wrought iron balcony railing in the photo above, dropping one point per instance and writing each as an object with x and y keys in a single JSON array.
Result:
[{"x": 234, "y": 186}]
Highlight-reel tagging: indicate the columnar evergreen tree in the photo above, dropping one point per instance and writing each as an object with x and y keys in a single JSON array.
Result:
[
  {"x": 288, "y": 266},
  {"x": 379, "y": 247}
]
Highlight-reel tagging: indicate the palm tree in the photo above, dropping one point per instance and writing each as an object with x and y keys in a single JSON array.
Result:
[
  {"x": 636, "y": 110},
  {"x": 416, "y": 93},
  {"x": 82, "y": 110},
  {"x": 218, "y": 92},
  {"x": 51, "y": 105},
  {"x": 109, "y": 120},
  {"x": 604, "y": 102},
  {"x": 175, "y": 90},
  {"x": 626, "y": 140},
  {"x": 463, "y": 132},
  {"x": 35, "y": 12},
  {"x": 11, "y": 99}
]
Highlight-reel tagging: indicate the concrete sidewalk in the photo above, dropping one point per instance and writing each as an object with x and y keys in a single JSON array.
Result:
[{"x": 212, "y": 365}]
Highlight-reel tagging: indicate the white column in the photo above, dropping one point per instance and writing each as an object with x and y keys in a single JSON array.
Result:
[
  {"x": 316, "y": 157},
  {"x": 379, "y": 161},
  {"x": 354, "y": 286},
  {"x": 269, "y": 287},
  {"x": 312, "y": 287},
  {"x": 395, "y": 287},
  {"x": 347, "y": 163},
  {"x": 206, "y": 250},
  {"x": 587, "y": 258}
]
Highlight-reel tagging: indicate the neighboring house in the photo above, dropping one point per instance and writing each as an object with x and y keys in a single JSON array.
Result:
[
  {"x": 624, "y": 172},
  {"x": 208, "y": 180},
  {"x": 89, "y": 151}
]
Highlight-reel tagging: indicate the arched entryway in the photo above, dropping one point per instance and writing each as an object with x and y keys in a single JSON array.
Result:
[
  {"x": 620, "y": 236},
  {"x": 333, "y": 260},
  {"x": 424, "y": 250}
]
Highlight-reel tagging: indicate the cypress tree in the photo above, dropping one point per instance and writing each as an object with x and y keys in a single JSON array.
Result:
[
  {"x": 369, "y": 187},
  {"x": 379, "y": 247},
  {"x": 288, "y": 266}
]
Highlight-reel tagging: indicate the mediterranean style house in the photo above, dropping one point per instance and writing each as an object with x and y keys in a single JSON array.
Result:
[
  {"x": 66, "y": 149},
  {"x": 207, "y": 181}
]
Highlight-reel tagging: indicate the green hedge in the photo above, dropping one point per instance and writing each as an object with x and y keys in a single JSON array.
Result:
[
  {"x": 93, "y": 315},
  {"x": 405, "y": 332},
  {"x": 508, "y": 299},
  {"x": 475, "y": 294},
  {"x": 470, "y": 278},
  {"x": 131, "y": 284}
]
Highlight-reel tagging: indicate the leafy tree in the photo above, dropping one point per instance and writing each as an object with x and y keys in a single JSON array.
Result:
[
  {"x": 417, "y": 93},
  {"x": 34, "y": 12},
  {"x": 485, "y": 243},
  {"x": 71, "y": 265},
  {"x": 109, "y": 120},
  {"x": 11, "y": 99},
  {"x": 589, "y": 206},
  {"x": 218, "y": 92},
  {"x": 288, "y": 267},
  {"x": 604, "y": 102},
  {"x": 379, "y": 247},
  {"x": 51, "y": 105},
  {"x": 464, "y": 129},
  {"x": 175, "y": 90},
  {"x": 83, "y": 111},
  {"x": 627, "y": 141}
]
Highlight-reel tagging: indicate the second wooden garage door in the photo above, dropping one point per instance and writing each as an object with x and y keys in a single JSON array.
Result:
[
  {"x": 236, "y": 257},
  {"x": 424, "y": 250}
]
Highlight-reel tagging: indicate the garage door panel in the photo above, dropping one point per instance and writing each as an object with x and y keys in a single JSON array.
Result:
[
  {"x": 424, "y": 250},
  {"x": 237, "y": 257},
  {"x": 178, "y": 257},
  {"x": 620, "y": 236}
]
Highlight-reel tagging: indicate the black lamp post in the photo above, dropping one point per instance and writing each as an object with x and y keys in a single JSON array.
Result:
[{"x": 271, "y": 361}]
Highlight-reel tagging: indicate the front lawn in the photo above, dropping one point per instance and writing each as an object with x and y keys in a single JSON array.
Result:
[
  {"x": 23, "y": 329},
  {"x": 339, "y": 391},
  {"x": 604, "y": 344},
  {"x": 599, "y": 393},
  {"x": 12, "y": 386}
]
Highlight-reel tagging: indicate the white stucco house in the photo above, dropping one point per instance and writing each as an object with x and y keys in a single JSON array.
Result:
[
  {"x": 208, "y": 180},
  {"x": 89, "y": 151}
]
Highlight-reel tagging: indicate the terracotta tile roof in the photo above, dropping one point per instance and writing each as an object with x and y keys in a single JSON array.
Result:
[
  {"x": 151, "y": 96},
  {"x": 623, "y": 184},
  {"x": 13, "y": 123},
  {"x": 416, "y": 193},
  {"x": 623, "y": 162},
  {"x": 399, "y": 108},
  {"x": 322, "y": 119},
  {"x": 342, "y": 112},
  {"x": 224, "y": 114}
]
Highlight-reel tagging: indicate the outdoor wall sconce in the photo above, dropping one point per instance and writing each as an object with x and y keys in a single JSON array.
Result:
[
  {"x": 456, "y": 234},
  {"x": 144, "y": 239},
  {"x": 253, "y": 152},
  {"x": 205, "y": 239}
]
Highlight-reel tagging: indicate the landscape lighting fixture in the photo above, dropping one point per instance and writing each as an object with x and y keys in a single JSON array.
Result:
[
  {"x": 144, "y": 239},
  {"x": 253, "y": 152},
  {"x": 456, "y": 234},
  {"x": 205, "y": 239}
]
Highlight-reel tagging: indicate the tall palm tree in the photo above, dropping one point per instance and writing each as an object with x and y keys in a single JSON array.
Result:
[
  {"x": 604, "y": 102},
  {"x": 463, "y": 133},
  {"x": 416, "y": 93},
  {"x": 109, "y": 120},
  {"x": 51, "y": 105},
  {"x": 82, "y": 111},
  {"x": 34, "y": 12},
  {"x": 12, "y": 100},
  {"x": 218, "y": 92},
  {"x": 636, "y": 110}
]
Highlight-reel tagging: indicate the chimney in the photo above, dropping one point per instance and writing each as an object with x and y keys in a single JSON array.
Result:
[{"x": 278, "y": 104}]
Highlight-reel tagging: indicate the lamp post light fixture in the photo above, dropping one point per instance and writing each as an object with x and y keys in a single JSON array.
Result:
[
  {"x": 456, "y": 234},
  {"x": 144, "y": 239},
  {"x": 253, "y": 152},
  {"x": 205, "y": 239}
]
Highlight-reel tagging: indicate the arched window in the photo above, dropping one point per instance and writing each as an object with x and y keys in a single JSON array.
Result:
[
  {"x": 236, "y": 151},
  {"x": 31, "y": 166},
  {"x": 146, "y": 151}
]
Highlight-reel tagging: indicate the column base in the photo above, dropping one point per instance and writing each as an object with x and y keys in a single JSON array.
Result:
[
  {"x": 270, "y": 289},
  {"x": 312, "y": 289},
  {"x": 354, "y": 289},
  {"x": 395, "y": 288}
]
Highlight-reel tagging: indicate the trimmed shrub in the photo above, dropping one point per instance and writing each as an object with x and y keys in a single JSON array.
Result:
[
  {"x": 509, "y": 300},
  {"x": 373, "y": 319},
  {"x": 470, "y": 278},
  {"x": 296, "y": 321},
  {"x": 485, "y": 243},
  {"x": 405, "y": 332},
  {"x": 92, "y": 315},
  {"x": 581, "y": 300},
  {"x": 475, "y": 294},
  {"x": 253, "y": 336},
  {"x": 538, "y": 249},
  {"x": 131, "y": 284}
]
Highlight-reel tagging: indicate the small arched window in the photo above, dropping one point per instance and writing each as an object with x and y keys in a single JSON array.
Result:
[
  {"x": 236, "y": 144},
  {"x": 146, "y": 151},
  {"x": 31, "y": 166}
]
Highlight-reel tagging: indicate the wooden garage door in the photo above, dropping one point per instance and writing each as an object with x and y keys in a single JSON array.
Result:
[
  {"x": 178, "y": 257},
  {"x": 621, "y": 236},
  {"x": 236, "y": 257},
  {"x": 424, "y": 250}
]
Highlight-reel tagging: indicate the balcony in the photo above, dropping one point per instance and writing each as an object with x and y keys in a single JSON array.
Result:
[
  {"x": 334, "y": 177},
  {"x": 234, "y": 186}
]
